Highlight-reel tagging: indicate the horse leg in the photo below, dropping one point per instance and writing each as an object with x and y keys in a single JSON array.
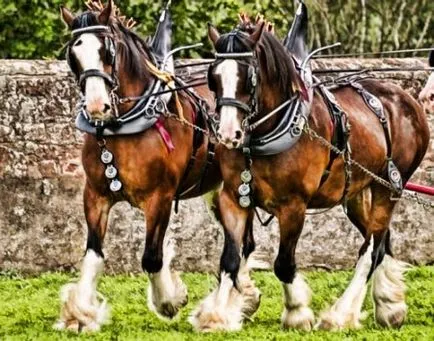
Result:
[
  {"x": 388, "y": 287},
  {"x": 167, "y": 293},
  {"x": 236, "y": 296},
  {"x": 297, "y": 294},
  {"x": 371, "y": 212},
  {"x": 251, "y": 294},
  {"x": 83, "y": 307}
]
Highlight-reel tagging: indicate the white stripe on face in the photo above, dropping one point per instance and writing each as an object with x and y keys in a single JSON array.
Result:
[
  {"x": 229, "y": 75},
  {"x": 86, "y": 50}
]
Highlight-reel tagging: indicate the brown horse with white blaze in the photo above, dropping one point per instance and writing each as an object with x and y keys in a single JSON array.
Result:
[
  {"x": 253, "y": 75},
  {"x": 427, "y": 94},
  {"x": 147, "y": 168}
]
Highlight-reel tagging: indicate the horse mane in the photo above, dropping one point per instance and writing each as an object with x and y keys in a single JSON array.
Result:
[
  {"x": 278, "y": 66},
  {"x": 131, "y": 46}
]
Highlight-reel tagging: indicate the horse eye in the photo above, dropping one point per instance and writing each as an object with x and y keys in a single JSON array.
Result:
[{"x": 78, "y": 42}]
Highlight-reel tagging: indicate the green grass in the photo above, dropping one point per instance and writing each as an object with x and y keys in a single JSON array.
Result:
[{"x": 29, "y": 306}]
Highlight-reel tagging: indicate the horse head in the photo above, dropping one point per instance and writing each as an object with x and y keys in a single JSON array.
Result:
[
  {"x": 253, "y": 74},
  {"x": 109, "y": 60},
  {"x": 427, "y": 94}
]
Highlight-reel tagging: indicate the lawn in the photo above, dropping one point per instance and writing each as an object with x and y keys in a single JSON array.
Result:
[{"x": 29, "y": 306}]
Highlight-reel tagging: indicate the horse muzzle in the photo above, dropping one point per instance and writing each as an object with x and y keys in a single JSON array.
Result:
[
  {"x": 231, "y": 140},
  {"x": 100, "y": 111}
]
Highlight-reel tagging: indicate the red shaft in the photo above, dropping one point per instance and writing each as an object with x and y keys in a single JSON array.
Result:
[{"x": 420, "y": 189}]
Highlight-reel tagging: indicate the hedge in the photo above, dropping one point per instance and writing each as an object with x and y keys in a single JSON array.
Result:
[{"x": 33, "y": 29}]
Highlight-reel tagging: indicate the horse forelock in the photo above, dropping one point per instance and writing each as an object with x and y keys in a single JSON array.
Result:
[
  {"x": 275, "y": 62},
  {"x": 85, "y": 19}
]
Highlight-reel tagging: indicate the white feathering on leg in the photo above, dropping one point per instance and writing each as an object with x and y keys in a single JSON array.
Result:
[
  {"x": 388, "y": 292},
  {"x": 222, "y": 310},
  {"x": 297, "y": 313},
  {"x": 82, "y": 304},
  {"x": 166, "y": 292},
  {"x": 346, "y": 312}
]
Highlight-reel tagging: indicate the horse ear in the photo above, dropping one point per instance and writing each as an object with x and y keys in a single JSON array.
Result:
[
  {"x": 431, "y": 58},
  {"x": 257, "y": 34},
  {"x": 106, "y": 13},
  {"x": 67, "y": 16},
  {"x": 213, "y": 34}
]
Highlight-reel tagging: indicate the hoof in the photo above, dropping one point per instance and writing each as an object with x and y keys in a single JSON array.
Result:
[
  {"x": 222, "y": 310},
  {"x": 335, "y": 321},
  {"x": 214, "y": 321},
  {"x": 80, "y": 312},
  {"x": 252, "y": 301},
  {"x": 167, "y": 306},
  {"x": 301, "y": 318},
  {"x": 391, "y": 315}
]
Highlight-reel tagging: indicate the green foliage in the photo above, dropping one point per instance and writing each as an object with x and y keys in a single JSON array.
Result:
[
  {"x": 29, "y": 306},
  {"x": 33, "y": 29}
]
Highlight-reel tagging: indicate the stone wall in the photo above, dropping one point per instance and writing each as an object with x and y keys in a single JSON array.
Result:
[{"x": 41, "y": 217}]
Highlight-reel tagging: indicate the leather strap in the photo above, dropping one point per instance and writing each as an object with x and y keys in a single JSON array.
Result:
[
  {"x": 96, "y": 73},
  {"x": 232, "y": 102}
]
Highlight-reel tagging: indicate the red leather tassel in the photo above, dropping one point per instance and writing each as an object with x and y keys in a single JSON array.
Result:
[{"x": 164, "y": 135}]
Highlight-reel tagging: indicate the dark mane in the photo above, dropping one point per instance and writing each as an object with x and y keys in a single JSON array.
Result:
[
  {"x": 276, "y": 64},
  {"x": 131, "y": 47}
]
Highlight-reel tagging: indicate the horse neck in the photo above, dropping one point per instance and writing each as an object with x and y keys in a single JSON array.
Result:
[
  {"x": 132, "y": 85},
  {"x": 270, "y": 96}
]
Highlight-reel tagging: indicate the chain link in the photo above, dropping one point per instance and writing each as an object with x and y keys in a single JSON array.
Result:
[
  {"x": 168, "y": 114},
  {"x": 405, "y": 195},
  {"x": 426, "y": 203}
]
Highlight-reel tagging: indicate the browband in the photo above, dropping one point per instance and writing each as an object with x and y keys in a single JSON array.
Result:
[
  {"x": 234, "y": 55},
  {"x": 97, "y": 28}
]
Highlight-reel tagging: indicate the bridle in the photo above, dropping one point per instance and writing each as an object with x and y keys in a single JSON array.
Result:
[
  {"x": 111, "y": 80},
  {"x": 250, "y": 108}
]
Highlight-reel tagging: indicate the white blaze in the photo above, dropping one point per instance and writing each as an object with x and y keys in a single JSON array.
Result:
[
  {"x": 228, "y": 72},
  {"x": 86, "y": 50}
]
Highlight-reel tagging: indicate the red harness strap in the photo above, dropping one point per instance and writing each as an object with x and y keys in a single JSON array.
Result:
[{"x": 167, "y": 139}]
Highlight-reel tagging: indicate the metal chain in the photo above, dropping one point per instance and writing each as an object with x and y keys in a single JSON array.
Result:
[
  {"x": 426, "y": 203},
  {"x": 406, "y": 195},
  {"x": 168, "y": 114}
]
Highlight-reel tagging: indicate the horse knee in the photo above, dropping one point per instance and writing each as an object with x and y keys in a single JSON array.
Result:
[
  {"x": 152, "y": 261},
  {"x": 284, "y": 269}
]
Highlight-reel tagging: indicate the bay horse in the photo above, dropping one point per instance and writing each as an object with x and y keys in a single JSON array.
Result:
[
  {"x": 253, "y": 74},
  {"x": 148, "y": 168},
  {"x": 427, "y": 94}
]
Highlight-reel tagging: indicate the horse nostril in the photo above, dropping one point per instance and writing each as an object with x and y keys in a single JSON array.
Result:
[
  {"x": 106, "y": 108},
  {"x": 238, "y": 134},
  {"x": 431, "y": 97}
]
